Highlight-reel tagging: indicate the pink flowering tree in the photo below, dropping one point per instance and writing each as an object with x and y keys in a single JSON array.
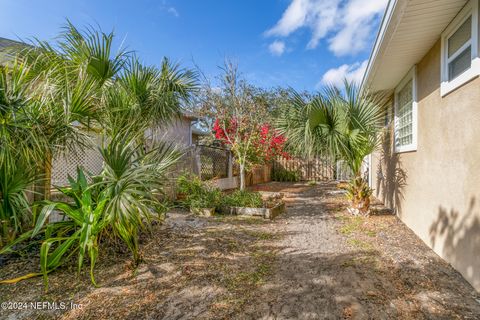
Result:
[
  {"x": 241, "y": 118},
  {"x": 251, "y": 142}
]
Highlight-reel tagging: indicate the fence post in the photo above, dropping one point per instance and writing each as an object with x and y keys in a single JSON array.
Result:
[
  {"x": 230, "y": 165},
  {"x": 198, "y": 162}
]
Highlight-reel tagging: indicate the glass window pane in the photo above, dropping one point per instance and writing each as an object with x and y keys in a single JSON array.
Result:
[
  {"x": 461, "y": 63},
  {"x": 404, "y": 132},
  {"x": 460, "y": 37}
]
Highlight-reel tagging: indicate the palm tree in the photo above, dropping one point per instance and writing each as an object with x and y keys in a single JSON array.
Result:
[
  {"x": 20, "y": 147},
  {"x": 69, "y": 78},
  {"x": 149, "y": 96},
  {"x": 344, "y": 124},
  {"x": 52, "y": 96}
]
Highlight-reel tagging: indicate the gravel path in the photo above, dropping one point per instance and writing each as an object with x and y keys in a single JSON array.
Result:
[{"x": 333, "y": 266}]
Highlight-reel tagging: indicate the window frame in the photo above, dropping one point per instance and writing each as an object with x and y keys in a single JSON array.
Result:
[
  {"x": 447, "y": 86},
  {"x": 411, "y": 75}
]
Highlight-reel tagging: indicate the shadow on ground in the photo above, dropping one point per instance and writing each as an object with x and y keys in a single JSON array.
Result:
[{"x": 314, "y": 262}]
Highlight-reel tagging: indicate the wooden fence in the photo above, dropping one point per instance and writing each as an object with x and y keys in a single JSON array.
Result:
[{"x": 314, "y": 169}]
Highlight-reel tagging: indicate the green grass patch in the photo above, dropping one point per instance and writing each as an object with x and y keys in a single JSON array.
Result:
[
  {"x": 371, "y": 233},
  {"x": 360, "y": 244},
  {"x": 368, "y": 260},
  {"x": 260, "y": 235},
  {"x": 351, "y": 225},
  {"x": 259, "y": 270}
]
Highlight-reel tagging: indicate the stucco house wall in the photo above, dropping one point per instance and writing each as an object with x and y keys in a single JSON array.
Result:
[
  {"x": 178, "y": 132},
  {"x": 435, "y": 190}
]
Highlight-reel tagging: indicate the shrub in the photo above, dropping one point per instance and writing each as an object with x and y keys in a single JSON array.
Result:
[
  {"x": 284, "y": 175},
  {"x": 15, "y": 181},
  {"x": 243, "y": 198},
  {"x": 198, "y": 194},
  {"x": 117, "y": 203}
]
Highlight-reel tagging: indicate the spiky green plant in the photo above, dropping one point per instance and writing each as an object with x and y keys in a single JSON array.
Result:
[
  {"x": 78, "y": 233},
  {"x": 133, "y": 181},
  {"x": 343, "y": 123},
  {"x": 119, "y": 201},
  {"x": 15, "y": 180}
]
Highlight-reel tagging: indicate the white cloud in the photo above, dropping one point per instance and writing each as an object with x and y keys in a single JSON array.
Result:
[
  {"x": 353, "y": 73},
  {"x": 173, "y": 12},
  {"x": 277, "y": 48},
  {"x": 358, "y": 24},
  {"x": 166, "y": 7},
  {"x": 348, "y": 24}
]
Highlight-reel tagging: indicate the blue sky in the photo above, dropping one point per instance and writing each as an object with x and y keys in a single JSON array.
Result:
[{"x": 297, "y": 43}]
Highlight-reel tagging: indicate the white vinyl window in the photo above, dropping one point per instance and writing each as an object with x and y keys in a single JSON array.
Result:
[
  {"x": 460, "y": 61},
  {"x": 406, "y": 114}
]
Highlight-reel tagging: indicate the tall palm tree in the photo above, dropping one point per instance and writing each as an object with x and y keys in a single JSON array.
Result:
[
  {"x": 343, "y": 123},
  {"x": 54, "y": 94},
  {"x": 154, "y": 95}
]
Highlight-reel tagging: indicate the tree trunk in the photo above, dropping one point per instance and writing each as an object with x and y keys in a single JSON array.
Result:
[
  {"x": 242, "y": 176},
  {"x": 48, "y": 176},
  {"x": 360, "y": 196},
  {"x": 43, "y": 190}
]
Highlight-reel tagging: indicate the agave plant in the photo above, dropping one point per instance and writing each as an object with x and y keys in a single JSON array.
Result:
[
  {"x": 78, "y": 233},
  {"x": 344, "y": 124},
  {"x": 120, "y": 200}
]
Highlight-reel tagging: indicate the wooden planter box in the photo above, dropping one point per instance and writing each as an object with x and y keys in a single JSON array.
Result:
[
  {"x": 267, "y": 213},
  {"x": 204, "y": 212}
]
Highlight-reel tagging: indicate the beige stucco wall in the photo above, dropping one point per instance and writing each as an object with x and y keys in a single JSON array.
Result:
[
  {"x": 178, "y": 132},
  {"x": 436, "y": 189}
]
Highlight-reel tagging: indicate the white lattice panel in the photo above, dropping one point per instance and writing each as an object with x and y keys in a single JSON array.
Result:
[{"x": 90, "y": 160}]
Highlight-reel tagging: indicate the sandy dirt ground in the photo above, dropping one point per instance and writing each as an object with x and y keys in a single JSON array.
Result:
[
  {"x": 313, "y": 262},
  {"x": 335, "y": 266}
]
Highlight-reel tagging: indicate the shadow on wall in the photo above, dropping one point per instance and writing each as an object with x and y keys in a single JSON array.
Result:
[
  {"x": 460, "y": 234},
  {"x": 391, "y": 177}
]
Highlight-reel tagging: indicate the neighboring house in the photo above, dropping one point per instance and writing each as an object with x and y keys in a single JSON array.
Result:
[
  {"x": 179, "y": 132},
  {"x": 197, "y": 135},
  {"x": 7, "y": 47},
  {"x": 427, "y": 58}
]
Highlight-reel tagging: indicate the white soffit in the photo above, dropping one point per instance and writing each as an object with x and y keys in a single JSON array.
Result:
[{"x": 409, "y": 30}]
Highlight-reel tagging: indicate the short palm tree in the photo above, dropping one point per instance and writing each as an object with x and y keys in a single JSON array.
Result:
[{"x": 343, "y": 123}]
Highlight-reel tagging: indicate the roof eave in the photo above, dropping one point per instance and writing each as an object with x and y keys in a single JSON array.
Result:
[{"x": 389, "y": 10}]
